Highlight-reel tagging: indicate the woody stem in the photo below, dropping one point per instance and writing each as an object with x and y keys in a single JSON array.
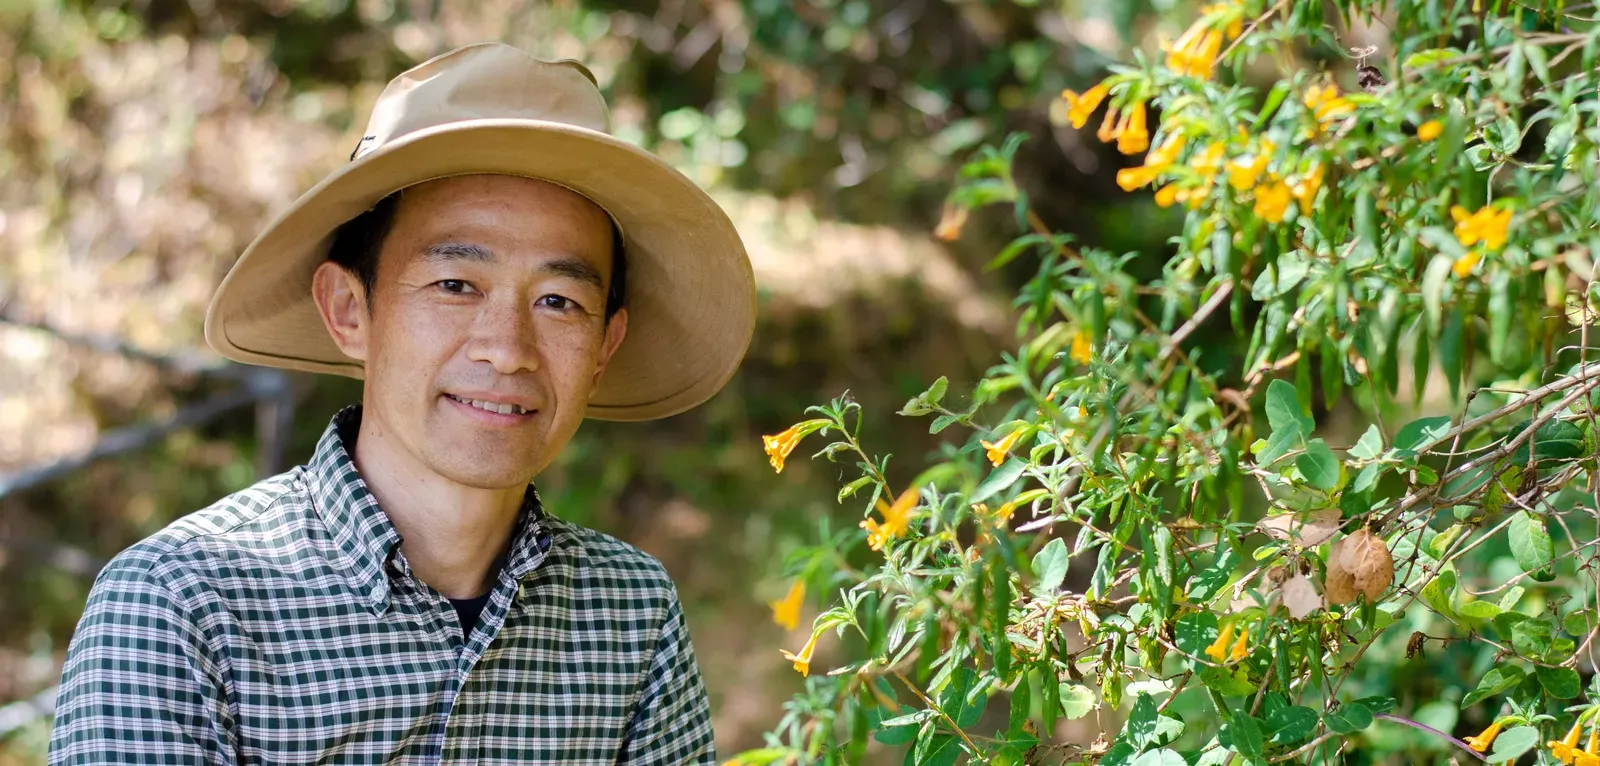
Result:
[{"x": 1435, "y": 732}]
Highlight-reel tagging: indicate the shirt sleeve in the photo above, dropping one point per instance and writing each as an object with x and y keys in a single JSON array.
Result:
[
  {"x": 672, "y": 723},
  {"x": 137, "y": 687}
]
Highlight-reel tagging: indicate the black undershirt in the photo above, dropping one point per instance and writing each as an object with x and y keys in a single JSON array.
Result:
[{"x": 468, "y": 609}]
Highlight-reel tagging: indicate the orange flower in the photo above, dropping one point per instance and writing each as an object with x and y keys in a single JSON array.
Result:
[
  {"x": 1109, "y": 125},
  {"x": 1080, "y": 107},
  {"x": 1326, "y": 104},
  {"x": 802, "y": 661},
  {"x": 1082, "y": 351},
  {"x": 1245, "y": 171},
  {"x": 1485, "y": 738},
  {"x": 1133, "y": 178},
  {"x": 1133, "y": 137},
  {"x": 1466, "y": 263},
  {"x": 1566, "y": 751},
  {"x": 1430, "y": 130},
  {"x": 1305, "y": 189},
  {"x": 896, "y": 519},
  {"x": 779, "y": 446},
  {"x": 786, "y": 611},
  {"x": 1218, "y": 650},
  {"x": 952, "y": 219},
  {"x": 1167, "y": 195},
  {"x": 1487, "y": 225},
  {"x": 1272, "y": 201},
  {"x": 997, "y": 450},
  {"x": 1241, "y": 647}
]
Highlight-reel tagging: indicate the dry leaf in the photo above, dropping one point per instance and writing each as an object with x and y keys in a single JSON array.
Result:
[
  {"x": 1300, "y": 597},
  {"x": 1339, "y": 586},
  {"x": 1308, "y": 532}
]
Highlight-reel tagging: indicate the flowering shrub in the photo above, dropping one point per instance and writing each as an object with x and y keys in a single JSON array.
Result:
[{"x": 1158, "y": 536}]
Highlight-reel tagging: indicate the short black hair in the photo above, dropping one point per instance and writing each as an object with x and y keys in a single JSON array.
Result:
[{"x": 357, "y": 242}]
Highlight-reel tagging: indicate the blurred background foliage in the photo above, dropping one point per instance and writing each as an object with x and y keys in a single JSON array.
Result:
[{"x": 143, "y": 143}]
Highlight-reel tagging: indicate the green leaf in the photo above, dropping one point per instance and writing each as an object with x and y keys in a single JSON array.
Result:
[
  {"x": 942, "y": 750},
  {"x": 999, "y": 479},
  {"x": 1555, "y": 440},
  {"x": 1498, "y": 679},
  {"x": 1278, "y": 445},
  {"x": 1194, "y": 632},
  {"x": 1228, "y": 683},
  {"x": 1243, "y": 734},
  {"x": 1319, "y": 466},
  {"x": 1141, "y": 726},
  {"x": 1369, "y": 446},
  {"x": 1479, "y": 610},
  {"x": 1429, "y": 57},
  {"x": 1530, "y": 542},
  {"x": 1162, "y": 757},
  {"x": 1289, "y": 725},
  {"x": 1076, "y": 700},
  {"x": 1440, "y": 593},
  {"x": 1561, "y": 683},
  {"x": 1513, "y": 742},
  {"x": 1434, "y": 282},
  {"x": 1050, "y": 565},
  {"x": 1350, "y": 718},
  {"x": 1532, "y": 637},
  {"x": 1414, "y": 434},
  {"x": 1367, "y": 477},
  {"x": 959, "y": 702},
  {"x": 1283, "y": 410}
]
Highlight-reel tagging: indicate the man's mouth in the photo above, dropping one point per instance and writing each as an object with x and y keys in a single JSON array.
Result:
[{"x": 502, "y": 409}]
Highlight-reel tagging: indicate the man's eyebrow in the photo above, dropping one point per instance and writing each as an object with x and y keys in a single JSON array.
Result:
[
  {"x": 575, "y": 268},
  {"x": 457, "y": 251}
]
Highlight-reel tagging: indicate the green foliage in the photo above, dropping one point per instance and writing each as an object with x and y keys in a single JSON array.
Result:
[{"x": 1176, "y": 537}]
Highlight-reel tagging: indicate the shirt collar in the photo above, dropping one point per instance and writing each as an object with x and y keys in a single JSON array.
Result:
[{"x": 363, "y": 531}]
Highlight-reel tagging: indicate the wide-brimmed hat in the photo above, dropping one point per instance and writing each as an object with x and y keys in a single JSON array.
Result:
[{"x": 491, "y": 108}]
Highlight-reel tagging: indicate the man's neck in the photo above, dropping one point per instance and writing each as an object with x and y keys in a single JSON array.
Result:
[{"x": 451, "y": 534}]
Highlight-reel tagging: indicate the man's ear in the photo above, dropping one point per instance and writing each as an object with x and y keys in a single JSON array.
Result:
[
  {"x": 342, "y": 302},
  {"x": 616, "y": 330}
]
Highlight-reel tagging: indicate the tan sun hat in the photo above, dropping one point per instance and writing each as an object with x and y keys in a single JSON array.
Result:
[{"x": 491, "y": 108}]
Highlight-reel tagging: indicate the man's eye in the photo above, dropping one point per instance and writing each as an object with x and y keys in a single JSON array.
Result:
[
  {"x": 454, "y": 286},
  {"x": 558, "y": 302}
]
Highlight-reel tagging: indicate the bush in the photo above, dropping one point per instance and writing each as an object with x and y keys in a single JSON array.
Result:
[{"x": 1148, "y": 524}]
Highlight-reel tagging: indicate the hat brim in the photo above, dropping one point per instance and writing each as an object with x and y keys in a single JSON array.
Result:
[{"x": 691, "y": 290}]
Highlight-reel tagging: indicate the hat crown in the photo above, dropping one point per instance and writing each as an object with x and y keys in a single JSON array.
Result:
[{"x": 489, "y": 81}]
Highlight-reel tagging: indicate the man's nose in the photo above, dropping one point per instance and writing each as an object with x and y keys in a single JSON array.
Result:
[{"x": 503, "y": 335}]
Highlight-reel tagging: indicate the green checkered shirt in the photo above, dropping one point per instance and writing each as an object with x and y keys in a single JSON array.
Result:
[{"x": 283, "y": 626}]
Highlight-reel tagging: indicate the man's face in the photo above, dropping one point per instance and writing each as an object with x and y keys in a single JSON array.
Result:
[{"x": 487, "y": 331}]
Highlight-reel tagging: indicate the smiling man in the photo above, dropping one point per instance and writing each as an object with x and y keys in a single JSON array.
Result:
[{"x": 497, "y": 268}]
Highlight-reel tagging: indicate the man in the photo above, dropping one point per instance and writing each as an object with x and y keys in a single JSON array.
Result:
[{"x": 497, "y": 267}]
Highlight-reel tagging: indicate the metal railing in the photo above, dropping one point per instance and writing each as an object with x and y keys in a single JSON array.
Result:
[{"x": 268, "y": 390}]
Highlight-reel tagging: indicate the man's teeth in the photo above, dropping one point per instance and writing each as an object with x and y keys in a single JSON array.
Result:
[{"x": 503, "y": 409}]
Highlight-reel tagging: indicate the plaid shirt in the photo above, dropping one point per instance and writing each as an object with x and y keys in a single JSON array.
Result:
[{"x": 282, "y": 626}]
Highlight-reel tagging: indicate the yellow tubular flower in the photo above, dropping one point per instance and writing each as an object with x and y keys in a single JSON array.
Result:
[
  {"x": 1134, "y": 137},
  {"x": 1305, "y": 190},
  {"x": 1080, "y": 107},
  {"x": 1241, "y": 647},
  {"x": 779, "y": 446},
  {"x": 1110, "y": 125},
  {"x": 1430, "y": 130},
  {"x": 802, "y": 661},
  {"x": 1218, "y": 650},
  {"x": 1167, "y": 195},
  {"x": 1082, "y": 349},
  {"x": 1133, "y": 178},
  {"x": 1485, "y": 738},
  {"x": 786, "y": 611},
  {"x": 1209, "y": 161},
  {"x": 997, "y": 450},
  {"x": 896, "y": 519},
  {"x": 1488, "y": 225},
  {"x": 1566, "y": 751},
  {"x": 1590, "y": 755},
  {"x": 1245, "y": 171},
  {"x": 1326, "y": 104},
  {"x": 1167, "y": 153},
  {"x": 1466, "y": 263},
  {"x": 1272, "y": 201}
]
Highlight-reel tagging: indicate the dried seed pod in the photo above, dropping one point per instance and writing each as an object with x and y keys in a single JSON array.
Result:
[
  {"x": 1339, "y": 587},
  {"x": 1367, "y": 558}
]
